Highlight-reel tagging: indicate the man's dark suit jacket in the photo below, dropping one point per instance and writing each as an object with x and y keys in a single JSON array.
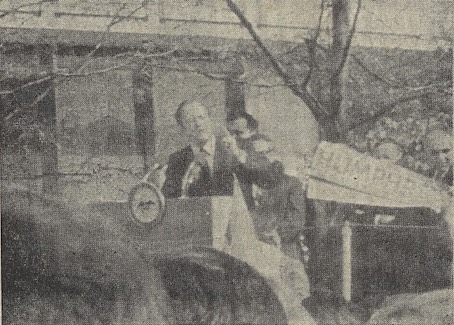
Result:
[{"x": 257, "y": 169}]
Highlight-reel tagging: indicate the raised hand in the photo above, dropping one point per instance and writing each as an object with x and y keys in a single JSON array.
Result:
[{"x": 230, "y": 144}]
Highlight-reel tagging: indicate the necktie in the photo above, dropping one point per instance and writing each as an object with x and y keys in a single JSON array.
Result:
[
  {"x": 201, "y": 158},
  {"x": 198, "y": 172}
]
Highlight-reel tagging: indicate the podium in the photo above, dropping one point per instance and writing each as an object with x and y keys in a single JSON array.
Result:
[
  {"x": 185, "y": 223},
  {"x": 158, "y": 226}
]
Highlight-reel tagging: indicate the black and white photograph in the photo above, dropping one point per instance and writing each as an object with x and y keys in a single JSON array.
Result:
[{"x": 267, "y": 162}]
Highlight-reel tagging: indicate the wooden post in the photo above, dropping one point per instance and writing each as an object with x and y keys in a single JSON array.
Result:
[
  {"x": 347, "y": 261},
  {"x": 144, "y": 116},
  {"x": 47, "y": 117}
]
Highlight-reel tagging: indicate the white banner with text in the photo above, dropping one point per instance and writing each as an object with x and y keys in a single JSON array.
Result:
[{"x": 339, "y": 173}]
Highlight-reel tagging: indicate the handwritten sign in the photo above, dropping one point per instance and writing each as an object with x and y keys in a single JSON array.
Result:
[{"x": 341, "y": 174}]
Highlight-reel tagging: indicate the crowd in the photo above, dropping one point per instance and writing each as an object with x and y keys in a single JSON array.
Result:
[{"x": 435, "y": 151}]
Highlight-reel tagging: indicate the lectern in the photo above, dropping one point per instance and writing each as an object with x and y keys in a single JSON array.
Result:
[{"x": 162, "y": 226}]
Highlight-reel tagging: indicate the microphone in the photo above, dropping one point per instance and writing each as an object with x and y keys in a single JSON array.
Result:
[{"x": 156, "y": 175}]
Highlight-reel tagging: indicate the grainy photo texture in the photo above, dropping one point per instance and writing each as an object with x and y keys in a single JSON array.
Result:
[{"x": 226, "y": 162}]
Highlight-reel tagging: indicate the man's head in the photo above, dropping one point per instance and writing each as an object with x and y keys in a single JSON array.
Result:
[
  {"x": 195, "y": 120},
  {"x": 438, "y": 142},
  {"x": 243, "y": 125}
]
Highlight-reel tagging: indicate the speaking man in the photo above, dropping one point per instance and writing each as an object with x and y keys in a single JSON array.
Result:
[{"x": 206, "y": 167}]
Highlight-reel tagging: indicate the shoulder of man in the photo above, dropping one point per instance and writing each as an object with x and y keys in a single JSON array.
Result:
[
  {"x": 180, "y": 158},
  {"x": 181, "y": 153}
]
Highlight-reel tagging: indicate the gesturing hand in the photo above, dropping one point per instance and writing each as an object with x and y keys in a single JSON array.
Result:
[{"x": 232, "y": 147}]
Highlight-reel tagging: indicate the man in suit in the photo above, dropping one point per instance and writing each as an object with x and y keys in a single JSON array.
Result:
[{"x": 206, "y": 167}]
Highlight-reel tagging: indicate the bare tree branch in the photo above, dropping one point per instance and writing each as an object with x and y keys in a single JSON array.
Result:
[
  {"x": 93, "y": 72},
  {"x": 187, "y": 68},
  {"x": 45, "y": 77},
  {"x": 411, "y": 94},
  {"x": 374, "y": 74},
  {"x": 116, "y": 19},
  {"x": 317, "y": 109},
  {"x": 31, "y": 105},
  {"x": 22, "y": 6},
  {"x": 362, "y": 64},
  {"x": 367, "y": 69}
]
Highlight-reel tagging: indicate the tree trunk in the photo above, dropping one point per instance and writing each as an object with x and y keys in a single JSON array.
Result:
[
  {"x": 327, "y": 251},
  {"x": 341, "y": 30},
  {"x": 329, "y": 130}
]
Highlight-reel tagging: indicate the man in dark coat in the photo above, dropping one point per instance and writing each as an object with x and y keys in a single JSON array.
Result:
[
  {"x": 207, "y": 166},
  {"x": 280, "y": 210},
  {"x": 245, "y": 129}
]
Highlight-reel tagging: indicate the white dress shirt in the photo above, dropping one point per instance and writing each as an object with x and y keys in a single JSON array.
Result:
[
  {"x": 205, "y": 153},
  {"x": 201, "y": 156}
]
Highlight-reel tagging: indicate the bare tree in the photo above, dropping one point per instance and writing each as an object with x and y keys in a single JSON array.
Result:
[{"x": 329, "y": 107}]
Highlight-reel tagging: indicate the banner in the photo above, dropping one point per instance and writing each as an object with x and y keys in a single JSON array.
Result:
[{"x": 339, "y": 173}]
